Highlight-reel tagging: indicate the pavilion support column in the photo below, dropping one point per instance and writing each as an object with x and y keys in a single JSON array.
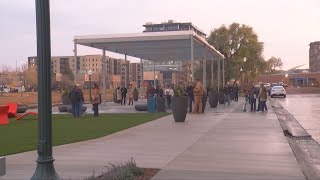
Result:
[
  {"x": 192, "y": 59},
  {"x": 223, "y": 76},
  {"x": 154, "y": 74},
  {"x": 212, "y": 73},
  {"x": 104, "y": 70},
  {"x": 75, "y": 61},
  {"x": 204, "y": 67},
  {"x": 218, "y": 75},
  {"x": 141, "y": 83},
  {"x": 125, "y": 71}
]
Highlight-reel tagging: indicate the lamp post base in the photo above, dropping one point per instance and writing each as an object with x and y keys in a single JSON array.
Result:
[{"x": 45, "y": 170}]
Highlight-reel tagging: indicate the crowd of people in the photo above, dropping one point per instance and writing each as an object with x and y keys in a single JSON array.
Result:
[{"x": 255, "y": 96}]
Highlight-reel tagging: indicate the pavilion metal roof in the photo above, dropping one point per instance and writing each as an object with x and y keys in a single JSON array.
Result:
[{"x": 155, "y": 46}]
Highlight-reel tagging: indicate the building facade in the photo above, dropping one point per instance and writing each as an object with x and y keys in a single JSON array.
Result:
[
  {"x": 115, "y": 68},
  {"x": 314, "y": 56}
]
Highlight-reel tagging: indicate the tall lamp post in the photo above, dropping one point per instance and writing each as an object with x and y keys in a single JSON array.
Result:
[
  {"x": 245, "y": 73},
  {"x": 90, "y": 74},
  {"x": 45, "y": 168}
]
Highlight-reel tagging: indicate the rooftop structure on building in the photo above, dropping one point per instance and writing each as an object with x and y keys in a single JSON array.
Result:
[{"x": 171, "y": 25}]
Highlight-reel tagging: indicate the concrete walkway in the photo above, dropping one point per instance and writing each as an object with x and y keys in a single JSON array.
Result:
[{"x": 224, "y": 143}]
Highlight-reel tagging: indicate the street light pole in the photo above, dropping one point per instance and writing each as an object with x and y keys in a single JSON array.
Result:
[
  {"x": 45, "y": 168},
  {"x": 90, "y": 74}
]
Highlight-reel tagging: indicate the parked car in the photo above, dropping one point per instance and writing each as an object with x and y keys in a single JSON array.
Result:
[{"x": 278, "y": 91}]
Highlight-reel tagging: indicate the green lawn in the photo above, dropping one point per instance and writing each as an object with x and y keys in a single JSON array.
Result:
[{"x": 22, "y": 135}]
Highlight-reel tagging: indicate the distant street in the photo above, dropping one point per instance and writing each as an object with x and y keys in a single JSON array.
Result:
[{"x": 306, "y": 109}]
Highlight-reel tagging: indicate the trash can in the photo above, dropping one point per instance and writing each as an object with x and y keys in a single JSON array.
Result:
[{"x": 151, "y": 104}]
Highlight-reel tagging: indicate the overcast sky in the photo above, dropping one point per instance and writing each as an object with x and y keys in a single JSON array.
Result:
[{"x": 285, "y": 26}]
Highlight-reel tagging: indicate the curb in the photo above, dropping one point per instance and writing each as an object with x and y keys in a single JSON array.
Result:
[
  {"x": 304, "y": 147},
  {"x": 2, "y": 166}
]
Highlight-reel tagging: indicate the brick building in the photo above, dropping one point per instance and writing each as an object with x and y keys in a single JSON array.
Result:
[
  {"x": 292, "y": 79},
  {"x": 314, "y": 57}
]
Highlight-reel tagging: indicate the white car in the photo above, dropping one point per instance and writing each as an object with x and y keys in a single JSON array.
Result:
[{"x": 278, "y": 91}]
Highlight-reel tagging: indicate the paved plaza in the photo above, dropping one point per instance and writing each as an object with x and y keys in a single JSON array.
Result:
[{"x": 224, "y": 143}]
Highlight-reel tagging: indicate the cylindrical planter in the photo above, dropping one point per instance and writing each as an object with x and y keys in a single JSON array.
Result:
[
  {"x": 213, "y": 99},
  {"x": 22, "y": 108},
  {"x": 63, "y": 108},
  {"x": 161, "y": 104},
  {"x": 69, "y": 108},
  {"x": 179, "y": 108},
  {"x": 141, "y": 107},
  {"x": 221, "y": 97},
  {"x": 204, "y": 102}
]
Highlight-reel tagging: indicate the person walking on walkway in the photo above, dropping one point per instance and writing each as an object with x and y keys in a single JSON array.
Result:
[
  {"x": 74, "y": 97},
  {"x": 190, "y": 96},
  {"x": 95, "y": 100},
  {"x": 226, "y": 91},
  {"x": 236, "y": 92},
  {"x": 252, "y": 97},
  {"x": 198, "y": 93},
  {"x": 263, "y": 95},
  {"x": 124, "y": 92}
]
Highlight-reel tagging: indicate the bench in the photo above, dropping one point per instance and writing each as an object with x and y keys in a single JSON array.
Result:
[
  {"x": 2, "y": 166},
  {"x": 141, "y": 107}
]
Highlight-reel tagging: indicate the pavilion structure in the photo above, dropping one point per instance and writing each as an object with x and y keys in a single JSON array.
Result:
[{"x": 156, "y": 46}]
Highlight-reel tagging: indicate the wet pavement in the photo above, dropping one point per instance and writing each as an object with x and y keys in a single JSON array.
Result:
[{"x": 305, "y": 108}]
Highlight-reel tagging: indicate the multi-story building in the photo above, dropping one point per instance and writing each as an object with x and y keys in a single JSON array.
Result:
[
  {"x": 115, "y": 67},
  {"x": 314, "y": 57},
  {"x": 135, "y": 74}
]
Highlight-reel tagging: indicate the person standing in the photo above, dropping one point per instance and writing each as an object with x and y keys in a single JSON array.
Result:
[
  {"x": 226, "y": 91},
  {"x": 74, "y": 97},
  {"x": 95, "y": 100},
  {"x": 81, "y": 100},
  {"x": 253, "y": 96},
  {"x": 124, "y": 92},
  {"x": 198, "y": 93},
  {"x": 119, "y": 97},
  {"x": 131, "y": 90},
  {"x": 190, "y": 96},
  {"x": 263, "y": 94},
  {"x": 246, "y": 95},
  {"x": 236, "y": 92}
]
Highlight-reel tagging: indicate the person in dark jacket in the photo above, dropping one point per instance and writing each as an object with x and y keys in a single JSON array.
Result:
[
  {"x": 74, "y": 96},
  {"x": 124, "y": 92},
  {"x": 189, "y": 90},
  {"x": 226, "y": 91},
  {"x": 236, "y": 92},
  {"x": 81, "y": 100},
  {"x": 253, "y": 94}
]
